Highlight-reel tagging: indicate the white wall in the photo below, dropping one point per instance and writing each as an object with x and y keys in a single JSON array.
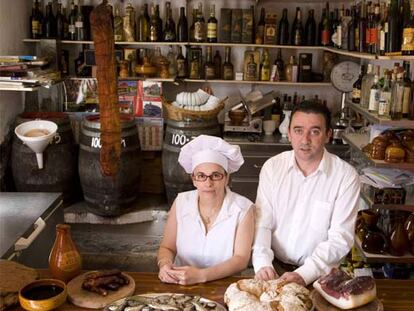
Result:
[{"x": 14, "y": 26}]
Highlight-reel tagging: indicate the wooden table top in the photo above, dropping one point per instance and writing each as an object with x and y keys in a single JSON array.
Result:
[{"x": 396, "y": 295}]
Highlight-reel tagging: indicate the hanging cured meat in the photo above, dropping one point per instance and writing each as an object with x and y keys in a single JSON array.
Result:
[{"x": 101, "y": 23}]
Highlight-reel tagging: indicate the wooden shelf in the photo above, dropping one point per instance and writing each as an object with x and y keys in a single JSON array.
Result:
[
  {"x": 270, "y": 46},
  {"x": 261, "y": 82},
  {"x": 399, "y": 207},
  {"x": 380, "y": 120},
  {"x": 378, "y": 258},
  {"x": 349, "y": 53},
  {"x": 357, "y": 141}
]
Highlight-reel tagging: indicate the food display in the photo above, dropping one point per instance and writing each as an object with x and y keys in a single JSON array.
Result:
[
  {"x": 198, "y": 101},
  {"x": 346, "y": 292},
  {"x": 165, "y": 301},
  {"x": 101, "y": 281},
  {"x": 250, "y": 294}
]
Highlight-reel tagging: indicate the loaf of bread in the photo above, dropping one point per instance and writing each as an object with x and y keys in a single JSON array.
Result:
[{"x": 253, "y": 295}]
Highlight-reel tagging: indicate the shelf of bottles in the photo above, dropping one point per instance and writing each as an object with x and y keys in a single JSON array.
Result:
[
  {"x": 381, "y": 258},
  {"x": 358, "y": 141},
  {"x": 374, "y": 118},
  {"x": 398, "y": 207},
  {"x": 260, "y": 82}
]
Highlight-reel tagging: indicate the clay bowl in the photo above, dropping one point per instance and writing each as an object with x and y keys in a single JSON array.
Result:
[
  {"x": 237, "y": 116},
  {"x": 43, "y": 295}
]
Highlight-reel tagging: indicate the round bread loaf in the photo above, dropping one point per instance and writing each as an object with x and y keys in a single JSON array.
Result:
[{"x": 253, "y": 295}]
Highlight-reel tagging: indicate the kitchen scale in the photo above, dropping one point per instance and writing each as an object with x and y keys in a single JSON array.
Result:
[
  {"x": 253, "y": 124},
  {"x": 343, "y": 77}
]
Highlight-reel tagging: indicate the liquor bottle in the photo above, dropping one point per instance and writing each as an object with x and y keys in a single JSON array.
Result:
[
  {"x": 374, "y": 96},
  {"x": 217, "y": 65},
  {"x": 324, "y": 28},
  {"x": 394, "y": 42},
  {"x": 153, "y": 26},
  {"x": 251, "y": 69},
  {"x": 143, "y": 25},
  {"x": 172, "y": 59},
  {"x": 159, "y": 22},
  {"x": 338, "y": 31},
  {"x": 397, "y": 95},
  {"x": 310, "y": 29},
  {"x": 367, "y": 82},
  {"x": 49, "y": 24},
  {"x": 65, "y": 24},
  {"x": 260, "y": 28},
  {"x": 297, "y": 28},
  {"x": 344, "y": 29},
  {"x": 31, "y": 19},
  {"x": 199, "y": 25},
  {"x": 334, "y": 22},
  {"x": 192, "y": 27},
  {"x": 60, "y": 20},
  {"x": 265, "y": 67},
  {"x": 283, "y": 31},
  {"x": 182, "y": 69},
  {"x": 289, "y": 69},
  {"x": 118, "y": 26},
  {"x": 362, "y": 27},
  {"x": 407, "y": 46},
  {"x": 407, "y": 90},
  {"x": 212, "y": 25},
  {"x": 356, "y": 87},
  {"x": 169, "y": 31},
  {"x": 374, "y": 31},
  {"x": 228, "y": 73},
  {"x": 209, "y": 69},
  {"x": 383, "y": 30},
  {"x": 352, "y": 30},
  {"x": 280, "y": 67},
  {"x": 182, "y": 27},
  {"x": 79, "y": 27},
  {"x": 385, "y": 98},
  {"x": 36, "y": 21},
  {"x": 72, "y": 21}
]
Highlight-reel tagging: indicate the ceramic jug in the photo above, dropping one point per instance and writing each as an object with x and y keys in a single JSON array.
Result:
[
  {"x": 64, "y": 260},
  {"x": 284, "y": 126},
  {"x": 409, "y": 230},
  {"x": 399, "y": 243}
]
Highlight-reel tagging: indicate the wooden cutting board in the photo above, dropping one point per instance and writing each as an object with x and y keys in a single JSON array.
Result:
[
  {"x": 321, "y": 304},
  {"x": 86, "y": 299}
]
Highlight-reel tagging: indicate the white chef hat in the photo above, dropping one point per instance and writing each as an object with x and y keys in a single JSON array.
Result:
[{"x": 210, "y": 149}]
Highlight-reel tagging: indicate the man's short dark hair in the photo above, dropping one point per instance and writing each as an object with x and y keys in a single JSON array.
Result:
[{"x": 308, "y": 106}]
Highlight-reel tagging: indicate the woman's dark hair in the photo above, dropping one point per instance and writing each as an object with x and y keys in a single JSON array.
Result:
[{"x": 308, "y": 106}]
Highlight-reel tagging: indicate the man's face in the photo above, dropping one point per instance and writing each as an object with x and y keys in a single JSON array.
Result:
[{"x": 308, "y": 135}]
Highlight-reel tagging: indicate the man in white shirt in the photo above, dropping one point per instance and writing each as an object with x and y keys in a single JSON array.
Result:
[{"x": 306, "y": 203}]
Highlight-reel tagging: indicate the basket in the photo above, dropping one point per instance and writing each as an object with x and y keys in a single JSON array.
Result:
[{"x": 178, "y": 114}]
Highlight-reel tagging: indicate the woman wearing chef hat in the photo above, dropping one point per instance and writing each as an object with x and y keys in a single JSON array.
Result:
[{"x": 209, "y": 231}]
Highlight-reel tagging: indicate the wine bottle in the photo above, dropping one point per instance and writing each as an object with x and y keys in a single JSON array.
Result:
[
  {"x": 143, "y": 25},
  {"x": 356, "y": 87},
  {"x": 159, "y": 23},
  {"x": 169, "y": 31},
  {"x": 397, "y": 94},
  {"x": 280, "y": 66},
  {"x": 383, "y": 31},
  {"x": 72, "y": 21},
  {"x": 265, "y": 67},
  {"x": 362, "y": 27},
  {"x": 345, "y": 29},
  {"x": 374, "y": 96},
  {"x": 310, "y": 29},
  {"x": 385, "y": 98},
  {"x": 200, "y": 25},
  {"x": 260, "y": 28},
  {"x": 217, "y": 65},
  {"x": 49, "y": 25},
  {"x": 36, "y": 21},
  {"x": 212, "y": 25},
  {"x": 192, "y": 27},
  {"x": 79, "y": 26},
  {"x": 182, "y": 68},
  {"x": 118, "y": 26},
  {"x": 283, "y": 31},
  {"x": 209, "y": 68},
  {"x": 352, "y": 30},
  {"x": 297, "y": 29},
  {"x": 407, "y": 47},
  {"x": 324, "y": 29},
  {"x": 393, "y": 44},
  {"x": 407, "y": 89},
  {"x": 153, "y": 26},
  {"x": 182, "y": 28},
  {"x": 228, "y": 73},
  {"x": 60, "y": 20}
]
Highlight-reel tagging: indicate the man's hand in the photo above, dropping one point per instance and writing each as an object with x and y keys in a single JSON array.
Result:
[
  {"x": 266, "y": 273},
  {"x": 166, "y": 274},
  {"x": 188, "y": 275},
  {"x": 293, "y": 277}
]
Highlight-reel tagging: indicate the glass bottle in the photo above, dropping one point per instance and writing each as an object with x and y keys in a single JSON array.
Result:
[
  {"x": 49, "y": 24},
  {"x": 289, "y": 70},
  {"x": 169, "y": 31},
  {"x": 192, "y": 27},
  {"x": 217, "y": 65},
  {"x": 279, "y": 67},
  {"x": 310, "y": 29},
  {"x": 324, "y": 29},
  {"x": 72, "y": 21},
  {"x": 356, "y": 87},
  {"x": 182, "y": 69},
  {"x": 407, "y": 46},
  {"x": 182, "y": 28},
  {"x": 143, "y": 25},
  {"x": 283, "y": 31},
  {"x": 362, "y": 27},
  {"x": 228, "y": 73},
  {"x": 172, "y": 59},
  {"x": 36, "y": 21},
  {"x": 367, "y": 82},
  {"x": 159, "y": 22},
  {"x": 265, "y": 67},
  {"x": 118, "y": 26},
  {"x": 385, "y": 98},
  {"x": 374, "y": 96},
  {"x": 297, "y": 28},
  {"x": 397, "y": 95},
  {"x": 394, "y": 42},
  {"x": 344, "y": 29},
  {"x": 153, "y": 26},
  {"x": 60, "y": 20},
  {"x": 352, "y": 30},
  {"x": 212, "y": 25},
  {"x": 259, "y": 37},
  {"x": 251, "y": 69},
  {"x": 195, "y": 68},
  {"x": 65, "y": 261},
  {"x": 209, "y": 69},
  {"x": 383, "y": 30},
  {"x": 407, "y": 89},
  {"x": 199, "y": 25},
  {"x": 79, "y": 27}
]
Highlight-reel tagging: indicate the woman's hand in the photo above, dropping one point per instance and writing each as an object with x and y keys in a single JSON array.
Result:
[
  {"x": 266, "y": 274},
  {"x": 188, "y": 275},
  {"x": 166, "y": 274},
  {"x": 293, "y": 277}
]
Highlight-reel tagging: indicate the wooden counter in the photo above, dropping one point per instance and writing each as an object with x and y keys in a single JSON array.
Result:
[{"x": 396, "y": 295}]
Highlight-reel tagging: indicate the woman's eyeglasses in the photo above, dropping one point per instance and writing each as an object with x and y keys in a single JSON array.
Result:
[{"x": 215, "y": 176}]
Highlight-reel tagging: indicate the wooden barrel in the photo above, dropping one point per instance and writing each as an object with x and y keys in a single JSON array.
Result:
[
  {"x": 109, "y": 195},
  {"x": 177, "y": 134},
  {"x": 59, "y": 173}
]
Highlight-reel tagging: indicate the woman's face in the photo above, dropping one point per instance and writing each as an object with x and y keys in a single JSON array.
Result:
[{"x": 213, "y": 185}]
